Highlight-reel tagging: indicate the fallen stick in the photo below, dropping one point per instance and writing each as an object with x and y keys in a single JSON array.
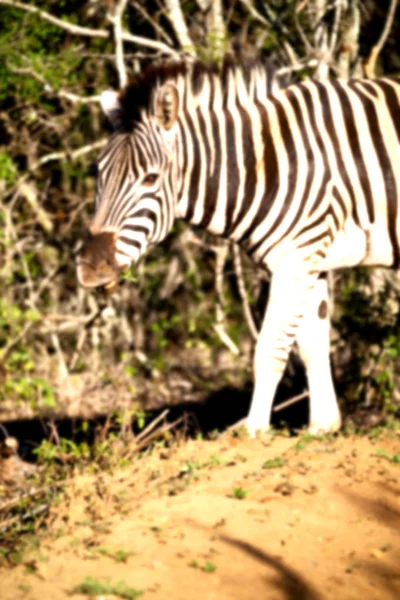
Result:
[{"x": 151, "y": 425}]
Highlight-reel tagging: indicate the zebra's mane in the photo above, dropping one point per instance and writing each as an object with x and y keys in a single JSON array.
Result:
[{"x": 211, "y": 85}]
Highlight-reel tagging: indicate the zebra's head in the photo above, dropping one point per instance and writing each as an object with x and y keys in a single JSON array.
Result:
[{"x": 136, "y": 183}]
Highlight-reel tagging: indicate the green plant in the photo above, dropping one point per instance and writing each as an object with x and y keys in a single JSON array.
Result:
[
  {"x": 208, "y": 566},
  {"x": 239, "y": 493},
  {"x": 393, "y": 458},
  {"x": 94, "y": 587},
  {"x": 8, "y": 168},
  {"x": 306, "y": 439},
  {"x": 273, "y": 463}
]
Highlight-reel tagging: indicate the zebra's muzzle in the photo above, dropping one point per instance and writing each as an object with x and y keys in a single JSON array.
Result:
[{"x": 96, "y": 263}]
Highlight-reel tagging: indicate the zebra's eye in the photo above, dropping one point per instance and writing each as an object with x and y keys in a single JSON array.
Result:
[{"x": 150, "y": 179}]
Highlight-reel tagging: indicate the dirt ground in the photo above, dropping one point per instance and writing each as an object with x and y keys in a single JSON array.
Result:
[{"x": 275, "y": 518}]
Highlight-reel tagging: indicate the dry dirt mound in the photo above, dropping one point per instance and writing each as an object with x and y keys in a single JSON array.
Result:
[{"x": 229, "y": 519}]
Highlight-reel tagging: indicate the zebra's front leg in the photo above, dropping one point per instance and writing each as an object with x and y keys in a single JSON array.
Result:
[{"x": 289, "y": 293}]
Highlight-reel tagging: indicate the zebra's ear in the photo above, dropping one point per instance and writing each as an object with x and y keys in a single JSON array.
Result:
[
  {"x": 112, "y": 108},
  {"x": 167, "y": 105}
]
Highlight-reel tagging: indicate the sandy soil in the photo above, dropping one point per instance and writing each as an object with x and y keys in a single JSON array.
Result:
[{"x": 319, "y": 520}]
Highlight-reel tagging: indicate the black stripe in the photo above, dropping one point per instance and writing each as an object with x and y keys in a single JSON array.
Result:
[
  {"x": 212, "y": 187},
  {"x": 232, "y": 170},
  {"x": 392, "y": 102},
  {"x": 329, "y": 123},
  {"x": 354, "y": 134},
  {"x": 270, "y": 165},
  {"x": 250, "y": 167},
  {"x": 129, "y": 242},
  {"x": 195, "y": 173},
  {"x": 388, "y": 175},
  {"x": 182, "y": 139},
  {"x": 291, "y": 151}
]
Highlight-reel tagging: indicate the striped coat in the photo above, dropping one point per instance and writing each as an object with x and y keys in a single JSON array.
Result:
[{"x": 306, "y": 178}]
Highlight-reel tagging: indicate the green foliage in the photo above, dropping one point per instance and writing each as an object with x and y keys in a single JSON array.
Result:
[
  {"x": 8, "y": 168},
  {"x": 21, "y": 383},
  {"x": 367, "y": 323},
  {"x": 274, "y": 463},
  {"x": 119, "y": 555},
  {"x": 239, "y": 493},
  {"x": 94, "y": 587},
  {"x": 65, "y": 450},
  {"x": 207, "y": 567},
  {"x": 393, "y": 458}
]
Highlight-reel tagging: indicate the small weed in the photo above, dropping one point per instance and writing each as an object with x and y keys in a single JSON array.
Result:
[
  {"x": 393, "y": 458},
  {"x": 273, "y": 463},
  {"x": 306, "y": 439},
  {"x": 214, "y": 460},
  {"x": 120, "y": 556},
  {"x": 189, "y": 468},
  {"x": 239, "y": 493},
  {"x": 24, "y": 588},
  {"x": 208, "y": 566},
  {"x": 240, "y": 458},
  {"x": 93, "y": 587}
]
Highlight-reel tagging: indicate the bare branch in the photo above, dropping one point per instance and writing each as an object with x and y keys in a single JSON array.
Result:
[
  {"x": 15, "y": 190},
  {"x": 349, "y": 45},
  {"x": 175, "y": 15},
  {"x": 335, "y": 29},
  {"x": 29, "y": 191},
  {"x": 70, "y": 27},
  {"x": 290, "y": 402},
  {"x": 140, "y": 9},
  {"x": 87, "y": 31},
  {"x": 68, "y": 155},
  {"x": 142, "y": 41},
  {"x": 151, "y": 425},
  {"x": 48, "y": 88},
  {"x": 254, "y": 12},
  {"x": 221, "y": 253},
  {"x": 216, "y": 27},
  {"x": 6, "y": 351},
  {"x": 242, "y": 292},
  {"x": 116, "y": 19},
  {"x": 370, "y": 63}
]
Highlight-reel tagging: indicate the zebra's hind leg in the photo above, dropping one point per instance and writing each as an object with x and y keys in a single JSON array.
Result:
[
  {"x": 289, "y": 294},
  {"x": 314, "y": 345}
]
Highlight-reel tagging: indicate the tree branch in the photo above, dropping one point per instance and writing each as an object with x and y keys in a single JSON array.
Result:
[
  {"x": 116, "y": 20},
  {"x": 88, "y": 31},
  {"x": 370, "y": 63},
  {"x": 221, "y": 252},
  {"x": 152, "y": 21},
  {"x": 142, "y": 41},
  {"x": 70, "y": 27},
  {"x": 175, "y": 15},
  {"x": 48, "y": 88},
  {"x": 242, "y": 292}
]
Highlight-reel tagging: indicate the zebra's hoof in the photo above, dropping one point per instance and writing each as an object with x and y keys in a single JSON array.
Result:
[
  {"x": 325, "y": 427},
  {"x": 248, "y": 428},
  {"x": 255, "y": 430}
]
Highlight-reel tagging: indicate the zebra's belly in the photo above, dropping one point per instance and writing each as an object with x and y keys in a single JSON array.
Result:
[{"x": 356, "y": 246}]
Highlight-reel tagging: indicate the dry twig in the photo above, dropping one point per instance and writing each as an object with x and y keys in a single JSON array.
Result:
[{"x": 370, "y": 63}]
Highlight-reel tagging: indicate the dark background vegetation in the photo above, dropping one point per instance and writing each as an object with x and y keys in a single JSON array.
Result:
[{"x": 172, "y": 332}]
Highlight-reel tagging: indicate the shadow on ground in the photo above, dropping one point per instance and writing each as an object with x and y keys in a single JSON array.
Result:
[
  {"x": 293, "y": 585},
  {"x": 385, "y": 510}
]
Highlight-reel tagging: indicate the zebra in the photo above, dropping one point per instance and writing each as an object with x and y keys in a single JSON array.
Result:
[{"x": 305, "y": 177}]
